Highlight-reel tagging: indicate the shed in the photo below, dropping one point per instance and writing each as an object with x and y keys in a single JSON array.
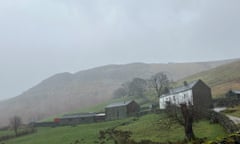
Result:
[
  {"x": 233, "y": 94},
  {"x": 121, "y": 110}
]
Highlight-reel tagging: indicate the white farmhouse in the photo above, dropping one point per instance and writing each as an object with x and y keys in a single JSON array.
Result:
[{"x": 196, "y": 93}]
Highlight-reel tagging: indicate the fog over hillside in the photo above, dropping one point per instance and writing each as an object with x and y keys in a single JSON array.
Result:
[{"x": 66, "y": 92}]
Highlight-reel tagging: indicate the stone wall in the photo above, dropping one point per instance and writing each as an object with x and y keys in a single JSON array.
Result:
[{"x": 224, "y": 121}]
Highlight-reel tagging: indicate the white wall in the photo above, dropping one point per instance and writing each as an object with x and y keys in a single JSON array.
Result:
[{"x": 183, "y": 97}]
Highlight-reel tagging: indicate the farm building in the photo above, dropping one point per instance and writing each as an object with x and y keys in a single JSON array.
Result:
[
  {"x": 196, "y": 93},
  {"x": 74, "y": 119},
  {"x": 233, "y": 94},
  {"x": 121, "y": 110}
]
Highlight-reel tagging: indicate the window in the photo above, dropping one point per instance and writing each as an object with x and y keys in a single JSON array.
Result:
[{"x": 184, "y": 96}]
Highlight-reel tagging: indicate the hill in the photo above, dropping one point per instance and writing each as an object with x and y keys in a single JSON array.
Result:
[
  {"x": 66, "y": 92},
  {"x": 220, "y": 79}
]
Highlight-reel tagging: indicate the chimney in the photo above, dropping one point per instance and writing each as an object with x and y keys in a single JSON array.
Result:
[{"x": 185, "y": 83}]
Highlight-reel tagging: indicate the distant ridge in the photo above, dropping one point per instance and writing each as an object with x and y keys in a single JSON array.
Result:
[{"x": 66, "y": 92}]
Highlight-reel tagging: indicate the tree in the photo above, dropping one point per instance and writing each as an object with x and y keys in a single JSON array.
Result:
[
  {"x": 187, "y": 112},
  {"x": 120, "y": 92},
  {"x": 15, "y": 123},
  {"x": 160, "y": 83},
  {"x": 137, "y": 87},
  {"x": 184, "y": 116}
]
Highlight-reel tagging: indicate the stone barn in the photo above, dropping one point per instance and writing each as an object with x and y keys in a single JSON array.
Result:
[
  {"x": 196, "y": 93},
  {"x": 233, "y": 94},
  {"x": 121, "y": 110}
]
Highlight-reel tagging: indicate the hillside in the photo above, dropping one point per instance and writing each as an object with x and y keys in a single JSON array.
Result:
[
  {"x": 220, "y": 79},
  {"x": 67, "y": 92}
]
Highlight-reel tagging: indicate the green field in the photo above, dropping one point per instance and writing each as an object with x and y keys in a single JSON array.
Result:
[
  {"x": 157, "y": 128},
  {"x": 152, "y": 126},
  {"x": 6, "y": 132}
]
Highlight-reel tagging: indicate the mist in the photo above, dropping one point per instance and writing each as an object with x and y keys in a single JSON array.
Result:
[{"x": 39, "y": 38}]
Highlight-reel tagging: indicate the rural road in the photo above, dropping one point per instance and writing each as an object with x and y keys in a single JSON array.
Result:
[
  {"x": 219, "y": 109},
  {"x": 236, "y": 120}
]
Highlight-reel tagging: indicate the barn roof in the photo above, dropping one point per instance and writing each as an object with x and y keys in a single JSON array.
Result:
[
  {"x": 182, "y": 88},
  {"x": 79, "y": 115},
  {"x": 119, "y": 104}
]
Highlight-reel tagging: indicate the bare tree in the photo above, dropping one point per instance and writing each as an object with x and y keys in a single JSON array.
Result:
[
  {"x": 15, "y": 123},
  {"x": 187, "y": 112},
  {"x": 184, "y": 116},
  {"x": 160, "y": 83}
]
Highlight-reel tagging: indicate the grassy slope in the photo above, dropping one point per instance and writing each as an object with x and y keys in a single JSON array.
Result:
[
  {"x": 63, "y": 135},
  {"x": 6, "y": 132},
  {"x": 155, "y": 128},
  {"x": 150, "y": 126},
  {"x": 220, "y": 79}
]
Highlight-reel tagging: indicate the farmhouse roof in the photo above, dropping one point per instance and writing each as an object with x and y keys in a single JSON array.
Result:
[
  {"x": 185, "y": 87},
  {"x": 119, "y": 104}
]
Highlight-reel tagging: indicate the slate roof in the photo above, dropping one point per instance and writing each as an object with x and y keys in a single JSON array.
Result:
[
  {"x": 79, "y": 115},
  {"x": 181, "y": 88},
  {"x": 119, "y": 104}
]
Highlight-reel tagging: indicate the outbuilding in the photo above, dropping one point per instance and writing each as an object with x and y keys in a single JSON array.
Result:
[
  {"x": 121, "y": 110},
  {"x": 235, "y": 94}
]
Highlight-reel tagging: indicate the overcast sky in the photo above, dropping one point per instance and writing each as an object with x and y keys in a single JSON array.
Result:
[{"x": 39, "y": 38}]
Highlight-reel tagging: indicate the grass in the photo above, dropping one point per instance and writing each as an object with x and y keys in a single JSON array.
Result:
[
  {"x": 10, "y": 131},
  {"x": 234, "y": 111},
  {"x": 210, "y": 131},
  {"x": 6, "y": 132},
  {"x": 154, "y": 127},
  {"x": 65, "y": 135},
  {"x": 151, "y": 126},
  {"x": 160, "y": 129}
]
